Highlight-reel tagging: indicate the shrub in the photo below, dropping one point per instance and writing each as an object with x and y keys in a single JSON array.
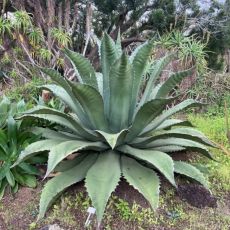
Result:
[
  {"x": 112, "y": 131},
  {"x": 13, "y": 139}
]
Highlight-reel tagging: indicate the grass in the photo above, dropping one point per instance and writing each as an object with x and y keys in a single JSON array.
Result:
[{"x": 215, "y": 128}]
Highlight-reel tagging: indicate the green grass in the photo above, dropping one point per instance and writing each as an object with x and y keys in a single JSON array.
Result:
[{"x": 215, "y": 128}]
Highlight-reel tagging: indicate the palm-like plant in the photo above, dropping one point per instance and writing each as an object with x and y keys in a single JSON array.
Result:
[
  {"x": 63, "y": 39},
  {"x": 113, "y": 130},
  {"x": 22, "y": 21},
  {"x": 5, "y": 27},
  {"x": 35, "y": 36}
]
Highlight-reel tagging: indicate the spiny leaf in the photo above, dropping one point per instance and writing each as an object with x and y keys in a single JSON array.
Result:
[
  {"x": 172, "y": 81},
  {"x": 114, "y": 139},
  {"x": 161, "y": 161},
  {"x": 69, "y": 100},
  {"x": 60, "y": 118},
  {"x": 180, "y": 107},
  {"x": 185, "y": 133},
  {"x": 108, "y": 57},
  {"x": 143, "y": 179},
  {"x": 102, "y": 179},
  {"x": 120, "y": 89},
  {"x": 139, "y": 62},
  {"x": 60, "y": 80},
  {"x": 92, "y": 103},
  {"x": 61, "y": 151},
  {"x": 190, "y": 171},
  {"x": 157, "y": 68},
  {"x": 167, "y": 124},
  {"x": 83, "y": 68},
  {"x": 145, "y": 115},
  {"x": 58, "y": 184},
  {"x": 181, "y": 142},
  {"x": 54, "y": 135},
  {"x": 35, "y": 148}
]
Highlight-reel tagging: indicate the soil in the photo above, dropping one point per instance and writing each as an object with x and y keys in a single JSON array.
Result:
[
  {"x": 197, "y": 196},
  {"x": 16, "y": 213},
  {"x": 2, "y": 223},
  {"x": 19, "y": 209}
]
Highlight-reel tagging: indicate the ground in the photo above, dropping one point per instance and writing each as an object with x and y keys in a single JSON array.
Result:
[{"x": 189, "y": 208}]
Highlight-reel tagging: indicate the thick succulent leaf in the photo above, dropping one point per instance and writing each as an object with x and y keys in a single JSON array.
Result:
[
  {"x": 155, "y": 91},
  {"x": 58, "y": 184},
  {"x": 58, "y": 78},
  {"x": 192, "y": 145},
  {"x": 54, "y": 135},
  {"x": 68, "y": 164},
  {"x": 118, "y": 44},
  {"x": 157, "y": 68},
  {"x": 185, "y": 133},
  {"x": 172, "y": 82},
  {"x": 145, "y": 115},
  {"x": 61, "y": 151},
  {"x": 10, "y": 178},
  {"x": 29, "y": 181},
  {"x": 169, "y": 148},
  {"x": 61, "y": 81},
  {"x": 4, "y": 141},
  {"x": 3, "y": 136},
  {"x": 161, "y": 161},
  {"x": 4, "y": 111},
  {"x": 5, "y": 167},
  {"x": 28, "y": 168},
  {"x": 102, "y": 179},
  {"x": 120, "y": 89},
  {"x": 70, "y": 101},
  {"x": 190, "y": 171},
  {"x": 12, "y": 133},
  {"x": 143, "y": 179},
  {"x": 35, "y": 148},
  {"x": 108, "y": 57},
  {"x": 168, "y": 113},
  {"x": 92, "y": 103},
  {"x": 2, "y": 188},
  {"x": 83, "y": 67},
  {"x": 167, "y": 124},
  {"x": 114, "y": 139},
  {"x": 139, "y": 63},
  {"x": 60, "y": 118},
  {"x": 100, "y": 82}
]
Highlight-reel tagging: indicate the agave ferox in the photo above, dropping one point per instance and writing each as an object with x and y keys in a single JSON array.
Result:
[{"x": 115, "y": 131}]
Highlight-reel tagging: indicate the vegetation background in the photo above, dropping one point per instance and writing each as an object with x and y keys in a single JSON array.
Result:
[{"x": 33, "y": 33}]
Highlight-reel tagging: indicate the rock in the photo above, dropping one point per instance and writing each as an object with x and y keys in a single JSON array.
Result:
[{"x": 52, "y": 227}]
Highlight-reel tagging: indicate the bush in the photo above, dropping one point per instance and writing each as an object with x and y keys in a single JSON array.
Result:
[{"x": 13, "y": 139}]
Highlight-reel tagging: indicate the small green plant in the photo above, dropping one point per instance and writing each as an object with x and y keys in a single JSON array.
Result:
[
  {"x": 22, "y": 21},
  {"x": 13, "y": 139},
  {"x": 111, "y": 130},
  {"x": 63, "y": 39},
  {"x": 5, "y": 27},
  {"x": 190, "y": 51},
  {"x": 35, "y": 36}
]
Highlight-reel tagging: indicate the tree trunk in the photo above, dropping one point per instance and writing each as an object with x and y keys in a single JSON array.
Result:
[
  {"x": 67, "y": 15},
  {"x": 51, "y": 16}
]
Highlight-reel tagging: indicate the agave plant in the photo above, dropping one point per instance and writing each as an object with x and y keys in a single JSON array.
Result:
[{"x": 113, "y": 129}]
